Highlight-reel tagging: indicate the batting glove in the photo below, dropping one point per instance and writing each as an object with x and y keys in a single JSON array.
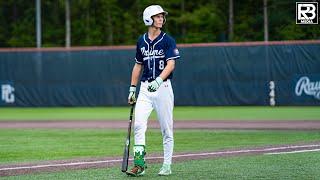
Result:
[
  {"x": 154, "y": 85},
  {"x": 132, "y": 95}
]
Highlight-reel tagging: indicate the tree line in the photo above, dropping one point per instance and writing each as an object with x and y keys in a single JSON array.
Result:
[{"x": 119, "y": 22}]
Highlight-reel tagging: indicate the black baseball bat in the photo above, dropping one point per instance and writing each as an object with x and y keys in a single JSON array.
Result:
[{"x": 126, "y": 151}]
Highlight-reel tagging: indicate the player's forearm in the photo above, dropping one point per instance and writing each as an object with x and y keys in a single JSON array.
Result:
[
  {"x": 136, "y": 71},
  {"x": 168, "y": 69}
]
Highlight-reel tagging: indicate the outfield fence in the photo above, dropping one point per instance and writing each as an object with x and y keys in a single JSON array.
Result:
[{"x": 255, "y": 73}]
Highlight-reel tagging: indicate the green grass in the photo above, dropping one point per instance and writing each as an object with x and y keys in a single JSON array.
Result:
[
  {"x": 24, "y": 145},
  {"x": 287, "y": 166},
  {"x": 180, "y": 113}
]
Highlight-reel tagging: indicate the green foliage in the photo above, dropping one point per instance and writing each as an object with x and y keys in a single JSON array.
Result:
[
  {"x": 19, "y": 24},
  {"x": 203, "y": 24},
  {"x": 112, "y": 22}
]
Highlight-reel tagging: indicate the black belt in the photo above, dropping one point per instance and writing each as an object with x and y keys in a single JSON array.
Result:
[{"x": 150, "y": 80}]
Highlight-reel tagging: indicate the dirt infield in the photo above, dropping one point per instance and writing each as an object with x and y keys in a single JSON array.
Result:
[
  {"x": 54, "y": 166},
  {"x": 196, "y": 124}
]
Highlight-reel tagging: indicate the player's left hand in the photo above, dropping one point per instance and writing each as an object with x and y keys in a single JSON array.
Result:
[{"x": 154, "y": 85}]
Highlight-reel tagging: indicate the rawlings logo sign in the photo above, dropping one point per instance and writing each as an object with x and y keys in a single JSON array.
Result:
[{"x": 304, "y": 85}]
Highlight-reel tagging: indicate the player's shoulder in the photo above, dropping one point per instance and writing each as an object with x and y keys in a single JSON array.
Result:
[
  {"x": 141, "y": 38},
  {"x": 169, "y": 38}
]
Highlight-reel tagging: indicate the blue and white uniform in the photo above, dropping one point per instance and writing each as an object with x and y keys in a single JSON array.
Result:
[{"x": 154, "y": 55}]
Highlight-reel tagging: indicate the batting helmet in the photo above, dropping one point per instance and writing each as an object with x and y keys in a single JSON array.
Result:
[{"x": 151, "y": 11}]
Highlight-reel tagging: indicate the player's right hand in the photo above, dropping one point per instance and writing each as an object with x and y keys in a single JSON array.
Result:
[{"x": 132, "y": 95}]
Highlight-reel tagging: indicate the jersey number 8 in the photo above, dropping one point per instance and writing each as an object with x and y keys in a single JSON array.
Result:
[{"x": 161, "y": 64}]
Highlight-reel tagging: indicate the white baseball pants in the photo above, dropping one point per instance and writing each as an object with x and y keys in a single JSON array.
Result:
[{"x": 162, "y": 101}]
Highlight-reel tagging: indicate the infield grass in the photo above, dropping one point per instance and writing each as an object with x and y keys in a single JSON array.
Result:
[
  {"x": 180, "y": 113},
  {"x": 286, "y": 166},
  {"x": 25, "y": 145}
]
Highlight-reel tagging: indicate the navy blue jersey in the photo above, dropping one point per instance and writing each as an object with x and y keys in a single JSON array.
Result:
[{"x": 153, "y": 55}]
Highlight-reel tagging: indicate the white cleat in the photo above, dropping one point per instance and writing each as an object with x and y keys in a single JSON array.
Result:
[{"x": 165, "y": 170}]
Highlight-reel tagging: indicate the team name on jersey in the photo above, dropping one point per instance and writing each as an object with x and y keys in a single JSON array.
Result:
[{"x": 151, "y": 53}]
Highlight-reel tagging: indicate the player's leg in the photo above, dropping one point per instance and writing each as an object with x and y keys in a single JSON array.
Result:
[
  {"x": 142, "y": 112},
  {"x": 164, "y": 107}
]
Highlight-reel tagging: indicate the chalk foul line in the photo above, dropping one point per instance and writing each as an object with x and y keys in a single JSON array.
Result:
[
  {"x": 266, "y": 151},
  {"x": 292, "y": 152}
]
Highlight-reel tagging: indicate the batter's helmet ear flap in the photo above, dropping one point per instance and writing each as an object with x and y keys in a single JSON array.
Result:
[
  {"x": 151, "y": 11},
  {"x": 148, "y": 21}
]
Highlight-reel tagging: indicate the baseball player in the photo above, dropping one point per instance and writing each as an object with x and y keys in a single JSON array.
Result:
[{"x": 156, "y": 53}]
